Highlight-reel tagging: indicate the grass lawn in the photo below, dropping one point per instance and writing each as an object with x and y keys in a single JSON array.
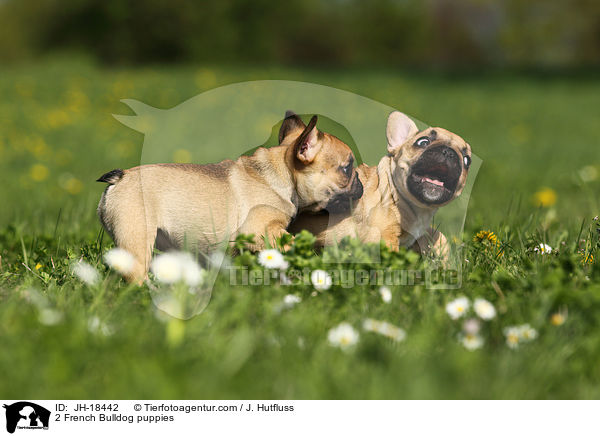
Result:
[{"x": 537, "y": 137}]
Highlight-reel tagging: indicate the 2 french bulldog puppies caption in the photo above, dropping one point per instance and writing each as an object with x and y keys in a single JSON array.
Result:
[
  {"x": 174, "y": 205},
  {"x": 170, "y": 205}
]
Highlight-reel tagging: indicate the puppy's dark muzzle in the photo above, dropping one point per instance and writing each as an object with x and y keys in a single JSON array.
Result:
[
  {"x": 434, "y": 177},
  {"x": 356, "y": 191},
  {"x": 343, "y": 202}
]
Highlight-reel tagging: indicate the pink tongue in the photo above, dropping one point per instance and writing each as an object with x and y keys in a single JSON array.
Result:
[{"x": 435, "y": 182}]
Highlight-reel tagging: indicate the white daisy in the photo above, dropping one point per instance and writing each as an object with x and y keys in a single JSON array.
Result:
[
  {"x": 588, "y": 173},
  {"x": 34, "y": 297},
  {"x": 191, "y": 272},
  {"x": 386, "y": 294},
  {"x": 513, "y": 336},
  {"x": 86, "y": 273},
  {"x": 49, "y": 316},
  {"x": 369, "y": 324},
  {"x": 385, "y": 329},
  {"x": 543, "y": 249},
  {"x": 392, "y": 332},
  {"x": 173, "y": 267},
  {"x": 291, "y": 300},
  {"x": 520, "y": 333},
  {"x": 471, "y": 341},
  {"x": 321, "y": 280},
  {"x": 527, "y": 333},
  {"x": 458, "y": 307},
  {"x": 343, "y": 336},
  {"x": 471, "y": 326},
  {"x": 96, "y": 326},
  {"x": 484, "y": 309},
  {"x": 167, "y": 268},
  {"x": 272, "y": 259},
  {"x": 120, "y": 260}
]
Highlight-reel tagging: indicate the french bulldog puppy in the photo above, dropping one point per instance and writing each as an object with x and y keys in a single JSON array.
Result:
[
  {"x": 202, "y": 206},
  {"x": 422, "y": 172}
]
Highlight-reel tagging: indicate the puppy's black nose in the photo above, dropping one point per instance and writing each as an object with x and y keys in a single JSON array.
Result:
[
  {"x": 448, "y": 155},
  {"x": 357, "y": 189}
]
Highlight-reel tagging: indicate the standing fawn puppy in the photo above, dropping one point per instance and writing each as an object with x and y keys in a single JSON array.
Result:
[{"x": 202, "y": 206}]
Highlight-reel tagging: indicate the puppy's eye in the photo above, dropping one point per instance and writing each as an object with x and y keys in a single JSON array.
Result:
[
  {"x": 422, "y": 142},
  {"x": 467, "y": 161},
  {"x": 347, "y": 170}
]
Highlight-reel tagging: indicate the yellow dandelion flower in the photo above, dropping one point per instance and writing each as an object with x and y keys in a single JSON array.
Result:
[
  {"x": 37, "y": 146},
  {"x": 205, "y": 78},
  {"x": 122, "y": 87},
  {"x": 558, "y": 319},
  {"x": 77, "y": 100},
  {"x": 586, "y": 258},
  {"x": 486, "y": 237},
  {"x": 489, "y": 240},
  {"x": 182, "y": 156},
  {"x": 545, "y": 197},
  {"x": 62, "y": 156},
  {"x": 167, "y": 97},
  {"x": 57, "y": 118},
  {"x": 39, "y": 172},
  {"x": 125, "y": 148},
  {"x": 38, "y": 266},
  {"x": 40, "y": 149},
  {"x": 73, "y": 186}
]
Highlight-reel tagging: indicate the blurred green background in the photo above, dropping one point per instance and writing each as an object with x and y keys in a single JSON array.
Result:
[{"x": 429, "y": 34}]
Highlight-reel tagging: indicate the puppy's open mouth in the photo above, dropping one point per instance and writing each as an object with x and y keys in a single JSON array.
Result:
[{"x": 434, "y": 177}]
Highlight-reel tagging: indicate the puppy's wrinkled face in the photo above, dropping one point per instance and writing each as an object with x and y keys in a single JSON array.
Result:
[
  {"x": 323, "y": 166},
  {"x": 439, "y": 162},
  {"x": 430, "y": 166}
]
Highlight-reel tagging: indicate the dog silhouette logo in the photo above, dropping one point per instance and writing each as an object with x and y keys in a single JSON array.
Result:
[{"x": 26, "y": 415}]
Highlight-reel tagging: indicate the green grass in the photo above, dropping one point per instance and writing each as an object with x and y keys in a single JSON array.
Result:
[{"x": 531, "y": 132}]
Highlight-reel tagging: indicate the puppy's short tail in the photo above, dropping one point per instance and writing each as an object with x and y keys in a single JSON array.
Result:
[{"x": 111, "y": 177}]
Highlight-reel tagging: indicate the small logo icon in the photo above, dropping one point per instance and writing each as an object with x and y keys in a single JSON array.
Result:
[{"x": 26, "y": 415}]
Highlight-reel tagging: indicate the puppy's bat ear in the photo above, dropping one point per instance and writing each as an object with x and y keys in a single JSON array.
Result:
[
  {"x": 290, "y": 123},
  {"x": 399, "y": 129},
  {"x": 307, "y": 145}
]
